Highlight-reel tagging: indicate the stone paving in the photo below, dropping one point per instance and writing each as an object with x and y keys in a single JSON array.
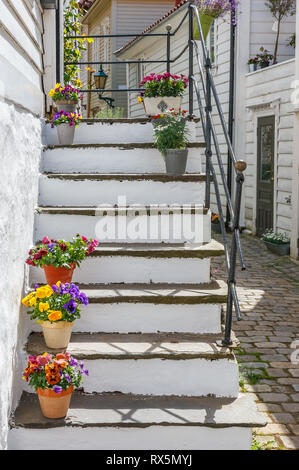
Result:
[{"x": 269, "y": 299}]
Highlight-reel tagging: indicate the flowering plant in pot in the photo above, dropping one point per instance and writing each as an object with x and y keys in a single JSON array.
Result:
[
  {"x": 162, "y": 92},
  {"x": 276, "y": 242},
  {"x": 55, "y": 308},
  {"x": 59, "y": 258},
  {"x": 215, "y": 220},
  {"x": 54, "y": 378},
  {"x": 209, "y": 10},
  {"x": 65, "y": 97},
  {"x": 65, "y": 123},
  {"x": 171, "y": 137},
  {"x": 264, "y": 58}
]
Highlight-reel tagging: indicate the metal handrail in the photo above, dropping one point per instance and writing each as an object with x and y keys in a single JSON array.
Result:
[{"x": 209, "y": 132}]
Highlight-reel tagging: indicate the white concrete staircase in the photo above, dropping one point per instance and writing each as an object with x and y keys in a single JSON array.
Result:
[{"x": 148, "y": 337}]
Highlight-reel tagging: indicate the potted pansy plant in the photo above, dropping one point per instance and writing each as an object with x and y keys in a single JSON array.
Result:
[
  {"x": 59, "y": 258},
  {"x": 162, "y": 92},
  {"x": 66, "y": 97},
  {"x": 209, "y": 10},
  {"x": 215, "y": 221},
  {"x": 65, "y": 124},
  {"x": 171, "y": 137},
  {"x": 53, "y": 378},
  {"x": 55, "y": 308}
]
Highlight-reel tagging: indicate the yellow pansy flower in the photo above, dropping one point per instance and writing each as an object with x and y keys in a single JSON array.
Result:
[
  {"x": 26, "y": 299},
  {"x": 32, "y": 302},
  {"x": 43, "y": 306},
  {"x": 44, "y": 291},
  {"x": 54, "y": 315}
]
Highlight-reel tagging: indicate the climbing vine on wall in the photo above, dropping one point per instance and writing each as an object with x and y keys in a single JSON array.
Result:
[{"x": 73, "y": 48}]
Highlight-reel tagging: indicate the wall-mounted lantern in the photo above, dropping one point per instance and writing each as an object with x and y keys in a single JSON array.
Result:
[{"x": 100, "y": 79}]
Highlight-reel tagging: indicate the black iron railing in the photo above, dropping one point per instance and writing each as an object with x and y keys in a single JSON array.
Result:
[
  {"x": 208, "y": 90},
  {"x": 205, "y": 92}
]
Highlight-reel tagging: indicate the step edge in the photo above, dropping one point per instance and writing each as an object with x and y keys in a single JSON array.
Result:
[{"x": 124, "y": 145}]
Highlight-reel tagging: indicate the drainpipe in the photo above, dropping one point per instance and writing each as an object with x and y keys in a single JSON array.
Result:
[
  {"x": 295, "y": 171},
  {"x": 231, "y": 111}
]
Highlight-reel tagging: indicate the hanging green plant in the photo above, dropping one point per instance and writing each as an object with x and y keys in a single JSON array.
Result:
[{"x": 73, "y": 49}]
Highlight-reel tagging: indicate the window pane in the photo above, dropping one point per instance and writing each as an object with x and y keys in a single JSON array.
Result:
[{"x": 267, "y": 135}]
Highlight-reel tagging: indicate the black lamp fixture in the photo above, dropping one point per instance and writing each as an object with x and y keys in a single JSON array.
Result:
[
  {"x": 100, "y": 79},
  {"x": 49, "y": 4}
]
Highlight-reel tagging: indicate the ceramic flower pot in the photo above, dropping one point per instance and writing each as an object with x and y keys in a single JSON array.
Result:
[
  {"x": 54, "y": 405},
  {"x": 66, "y": 134},
  {"x": 176, "y": 161},
  {"x": 57, "y": 335},
  {"x": 53, "y": 275},
  {"x": 206, "y": 23},
  {"x": 161, "y": 104},
  {"x": 282, "y": 249},
  {"x": 252, "y": 67},
  {"x": 69, "y": 106}
]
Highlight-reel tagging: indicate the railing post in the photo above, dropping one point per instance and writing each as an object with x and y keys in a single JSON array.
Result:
[
  {"x": 240, "y": 167},
  {"x": 168, "y": 29},
  {"x": 208, "y": 67},
  {"x": 191, "y": 47}
]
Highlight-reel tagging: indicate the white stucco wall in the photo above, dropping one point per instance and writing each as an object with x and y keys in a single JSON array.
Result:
[
  {"x": 21, "y": 105},
  {"x": 19, "y": 158}
]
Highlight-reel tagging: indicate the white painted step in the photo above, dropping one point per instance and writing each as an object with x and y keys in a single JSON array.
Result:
[
  {"x": 179, "y": 365},
  {"x": 68, "y": 190},
  {"x": 132, "y": 265},
  {"x": 108, "y": 158},
  {"x": 111, "y": 131},
  {"x": 167, "y": 224},
  {"x": 124, "y": 422},
  {"x": 151, "y": 309}
]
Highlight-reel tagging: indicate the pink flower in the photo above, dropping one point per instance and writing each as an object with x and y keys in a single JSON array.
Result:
[{"x": 46, "y": 240}]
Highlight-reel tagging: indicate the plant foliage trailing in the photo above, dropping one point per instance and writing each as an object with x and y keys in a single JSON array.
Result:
[
  {"x": 56, "y": 373},
  {"x": 163, "y": 85},
  {"x": 170, "y": 130},
  {"x": 61, "y": 302},
  {"x": 280, "y": 9},
  {"x": 273, "y": 237},
  {"x": 60, "y": 253},
  {"x": 73, "y": 49}
]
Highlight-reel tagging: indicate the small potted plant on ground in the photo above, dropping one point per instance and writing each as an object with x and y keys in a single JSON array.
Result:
[
  {"x": 215, "y": 220},
  {"x": 253, "y": 64},
  {"x": 55, "y": 308},
  {"x": 171, "y": 140},
  {"x": 162, "y": 92},
  {"x": 278, "y": 243},
  {"x": 59, "y": 258},
  {"x": 65, "y": 124},
  {"x": 209, "y": 10},
  {"x": 66, "y": 98},
  {"x": 54, "y": 378},
  {"x": 264, "y": 58}
]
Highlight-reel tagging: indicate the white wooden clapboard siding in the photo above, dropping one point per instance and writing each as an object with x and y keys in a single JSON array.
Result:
[
  {"x": 21, "y": 49},
  {"x": 268, "y": 92},
  {"x": 132, "y": 16},
  {"x": 262, "y": 33}
]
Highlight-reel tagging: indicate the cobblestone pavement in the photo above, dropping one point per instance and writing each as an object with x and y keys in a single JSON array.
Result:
[{"x": 269, "y": 299}]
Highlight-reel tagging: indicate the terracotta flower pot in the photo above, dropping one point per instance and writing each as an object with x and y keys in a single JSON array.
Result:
[
  {"x": 54, "y": 405},
  {"x": 58, "y": 334},
  {"x": 62, "y": 274},
  {"x": 69, "y": 106}
]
